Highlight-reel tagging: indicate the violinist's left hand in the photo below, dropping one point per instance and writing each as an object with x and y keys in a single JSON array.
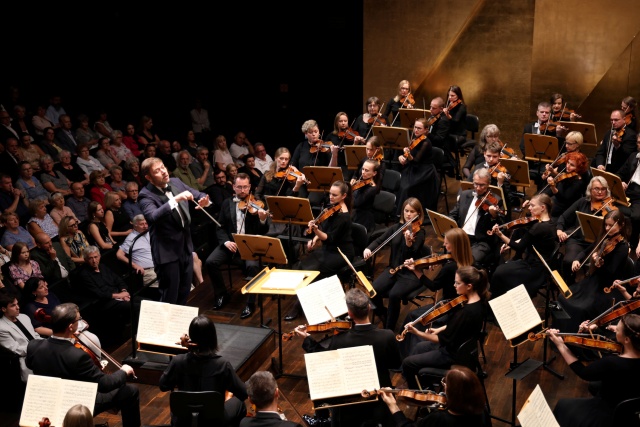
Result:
[
  {"x": 262, "y": 214},
  {"x": 301, "y": 330},
  {"x": 501, "y": 178},
  {"x": 402, "y": 160},
  {"x": 334, "y": 149},
  {"x": 494, "y": 211},
  {"x": 409, "y": 237}
]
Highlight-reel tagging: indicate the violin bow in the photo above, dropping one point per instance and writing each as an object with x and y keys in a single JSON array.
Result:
[
  {"x": 476, "y": 207},
  {"x": 374, "y": 121},
  {"x": 345, "y": 133},
  {"x": 598, "y": 245}
]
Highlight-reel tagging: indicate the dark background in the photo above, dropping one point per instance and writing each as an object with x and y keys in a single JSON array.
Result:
[{"x": 263, "y": 68}]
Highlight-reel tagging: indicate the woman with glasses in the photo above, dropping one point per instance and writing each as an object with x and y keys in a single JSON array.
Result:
[
  {"x": 400, "y": 100},
  {"x": 31, "y": 186},
  {"x": 572, "y": 144},
  {"x": 438, "y": 350},
  {"x": 72, "y": 240}
]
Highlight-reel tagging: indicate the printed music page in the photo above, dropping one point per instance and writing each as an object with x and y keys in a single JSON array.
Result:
[
  {"x": 284, "y": 280},
  {"x": 52, "y": 397},
  {"x": 515, "y": 312},
  {"x": 320, "y": 298},
  {"x": 342, "y": 372},
  {"x": 163, "y": 324},
  {"x": 536, "y": 411}
]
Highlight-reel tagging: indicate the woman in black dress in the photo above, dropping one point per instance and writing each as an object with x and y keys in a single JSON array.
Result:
[
  {"x": 115, "y": 218},
  {"x": 203, "y": 369},
  {"x": 365, "y": 189},
  {"x": 97, "y": 231},
  {"x": 529, "y": 269},
  {"x": 406, "y": 244},
  {"x": 402, "y": 99},
  {"x": 456, "y": 112},
  {"x": 333, "y": 229},
  {"x": 567, "y": 187},
  {"x": 373, "y": 117},
  {"x": 618, "y": 375}
]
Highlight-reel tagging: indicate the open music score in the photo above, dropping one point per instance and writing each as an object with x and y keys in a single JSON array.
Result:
[
  {"x": 516, "y": 315},
  {"x": 322, "y": 300},
  {"x": 161, "y": 325},
  {"x": 536, "y": 411}
]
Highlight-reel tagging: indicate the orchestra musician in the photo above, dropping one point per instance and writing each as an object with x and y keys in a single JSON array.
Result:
[
  {"x": 364, "y": 191},
  {"x": 438, "y": 350},
  {"x": 456, "y": 112},
  {"x": 342, "y": 134},
  {"x": 457, "y": 244},
  {"x": 628, "y": 106},
  {"x": 629, "y": 174},
  {"x": 236, "y": 216},
  {"x": 572, "y": 143},
  {"x": 568, "y": 227},
  {"x": 617, "y": 145},
  {"x": 607, "y": 257},
  {"x": 203, "y": 369},
  {"x": 402, "y": 99},
  {"x": 57, "y": 356},
  {"x": 404, "y": 245},
  {"x": 559, "y": 112},
  {"x": 264, "y": 394},
  {"x": 375, "y": 152},
  {"x": 332, "y": 228},
  {"x": 373, "y": 117},
  {"x": 568, "y": 186},
  {"x": 385, "y": 351},
  {"x": 475, "y": 158},
  {"x": 419, "y": 176},
  {"x": 477, "y": 220},
  {"x": 438, "y": 127},
  {"x": 616, "y": 373},
  {"x": 528, "y": 269}
]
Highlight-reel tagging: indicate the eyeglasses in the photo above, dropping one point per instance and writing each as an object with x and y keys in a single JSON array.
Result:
[
  {"x": 479, "y": 184},
  {"x": 75, "y": 224},
  {"x": 599, "y": 189},
  {"x": 243, "y": 187},
  {"x": 456, "y": 283},
  {"x": 78, "y": 319}
]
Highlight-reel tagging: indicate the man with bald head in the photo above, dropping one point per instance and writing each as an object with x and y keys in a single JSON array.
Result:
[{"x": 54, "y": 262}]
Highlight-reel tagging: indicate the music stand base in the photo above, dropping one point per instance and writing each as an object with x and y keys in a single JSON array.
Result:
[
  {"x": 277, "y": 369},
  {"x": 545, "y": 365}
]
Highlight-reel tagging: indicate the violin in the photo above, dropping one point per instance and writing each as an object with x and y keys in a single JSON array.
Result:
[
  {"x": 619, "y": 134},
  {"x": 92, "y": 355},
  {"x": 322, "y": 146},
  {"x": 606, "y": 248},
  {"x": 348, "y": 134},
  {"x": 496, "y": 169},
  {"x": 399, "y": 230},
  {"x": 362, "y": 183},
  {"x": 507, "y": 152},
  {"x": 418, "y": 397},
  {"x": 563, "y": 176},
  {"x": 432, "y": 120},
  {"x": 251, "y": 204},
  {"x": 377, "y": 121},
  {"x": 454, "y": 104},
  {"x": 407, "y": 100},
  {"x": 598, "y": 342},
  {"x": 605, "y": 206},
  {"x": 425, "y": 262},
  {"x": 628, "y": 118},
  {"x": 616, "y": 313},
  {"x": 334, "y": 326},
  {"x": 634, "y": 281},
  {"x": 438, "y": 310},
  {"x": 487, "y": 201},
  {"x": 379, "y": 156},
  {"x": 516, "y": 223},
  {"x": 414, "y": 144},
  {"x": 548, "y": 127},
  {"x": 291, "y": 174},
  {"x": 324, "y": 215},
  {"x": 564, "y": 115}
]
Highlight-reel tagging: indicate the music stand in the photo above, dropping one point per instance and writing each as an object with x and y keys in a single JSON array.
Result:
[
  {"x": 588, "y": 131},
  {"x": 393, "y": 137},
  {"x": 540, "y": 148},
  {"x": 441, "y": 223},
  {"x": 353, "y": 155},
  {"x": 590, "y": 225},
  {"x": 466, "y": 185},
  {"x": 408, "y": 116},
  {"x": 519, "y": 171},
  {"x": 321, "y": 177},
  {"x": 290, "y": 210},
  {"x": 615, "y": 185},
  {"x": 265, "y": 282},
  {"x": 257, "y": 248}
]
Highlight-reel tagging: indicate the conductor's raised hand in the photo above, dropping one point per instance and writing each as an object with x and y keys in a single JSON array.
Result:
[
  {"x": 203, "y": 202},
  {"x": 184, "y": 196}
]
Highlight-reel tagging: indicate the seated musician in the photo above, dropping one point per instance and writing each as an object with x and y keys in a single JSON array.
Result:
[
  {"x": 233, "y": 220},
  {"x": 263, "y": 392},
  {"x": 616, "y": 373},
  {"x": 385, "y": 351},
  {"x": 203, "y": 369},
  {"x": 617, "y": 145},
  {"x": 373, "y": 117},
  {"x": 477, "y": 220},
  {"x": 374, "y": 151},
  {"x": 567, "y": 186},
  {"x": 628, "y": 106},
  {"x": 572, "y": 144},
  {"x": 499, "y": 175},
  {"x": 559, "y": 110},
  {"x": 365, "y": 189},
  {"x": 597, "y": 201},
  {"x": 629, "y": 174}
]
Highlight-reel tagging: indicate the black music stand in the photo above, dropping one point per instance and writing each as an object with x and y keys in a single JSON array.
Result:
[
  {"x": 392, "y": 138},
  {"x": 353, "y": 155},
  {"x": 290, "y": 210},
  {"x": 262, "y": 283},
  {"x": 408, "y": 116},
  {"x": 590, "y": 225},
  {"x": 257, "y": 248},
  {"x": 540, "y": 149},
  {"x": 321, "y": 177},
  {"x": 441, "y": 223},
  {"x": 615, "y": 185},
  {"x": 588, "y": 131}
]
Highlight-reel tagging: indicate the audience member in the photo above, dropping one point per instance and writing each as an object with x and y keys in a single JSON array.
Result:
[
  {"x": 78, "y": 203},
  {"x": 14, "y": 232},
  {"x": 250, "y": 169},
  {"x": 21, "y": 266},
  {"x": 164, "y": 153},
  {"x": 52, "y": 180},
  {"x": 200, "y": 123},
  {"x": 99, "y": 186},
  {"x": 21, "y": 123},
  {"x": 58, "y": 208},
  {"x": 97, "y": 232},
  {"x": 146, "y": 131},
  {"x": 6, "y": 131},
  {"x": 49, "y": 145},
  {"x": 263, "y": 160},
  {"x": 40, "y": 121},
  {"x": 134, "y": 141},
  {"x": 141, "y": 257},
  {"x": 130, "y": 204},
  {"x": 41, "y": 221},
  {"x": 55, "y": 264},
  {"x": 240, "y": 147},
  {"x": 87, "y": 162},
  {"x": 116, "y": 182},
  {"x": 72, "y": 240},
  {"x": 12, "y": 199},
  {"x": 55, "y": 110},
  {"x": 202, "y": 169},
  {"x": 115, "y": 218},
  {"x": 221, "y": 155},
  {"x": 105, "y": 155},
  {"x": 30, "y": 151},
  {"x": 64, "y": 135},
  {"x": 11, "y": 158},
  {"x": 184, "y": 173},
  {"x": 131, "y": 172},
  {"x": 30, "y": 185},
  {"x": 103, "y": 127},
  {"x": 119, "y": 148},
  {"x": 71, "y": 169},
  {"x": 84, "y": 133}
]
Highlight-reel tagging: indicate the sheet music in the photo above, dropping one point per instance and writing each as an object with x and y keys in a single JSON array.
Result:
[
  {"x": 52, "y": 397},
  {"x": 284, "y": 280},
  {"x": 536, "y": 411},
  {"x": 163, "y": 324},
  {"x": 515, "y": 312},
  {"x": 342, "y": 372},
  {"x": 328, "y": 293}
]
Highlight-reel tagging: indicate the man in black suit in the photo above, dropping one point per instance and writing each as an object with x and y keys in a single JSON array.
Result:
[
  {"x": 58, "y": 357},
  {"x": 385, "y": 350},
  {"x": 164, "y": 202},
  {"x": 65, "y": 136},
  {"x": 233, "y": 220},
  {"x": 11, "y": 158},
  {"x": 54, "y": 262},
  {"x": 6, "y": 130},
  {"x": 13, "y": 200},
  {"x": 617, "y": 145},
  {"x": 263, "y": 392},
  {"x": 476, "y": 221}
]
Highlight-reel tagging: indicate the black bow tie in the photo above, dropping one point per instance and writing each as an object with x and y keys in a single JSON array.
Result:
[{"x": 167, "y": 189}]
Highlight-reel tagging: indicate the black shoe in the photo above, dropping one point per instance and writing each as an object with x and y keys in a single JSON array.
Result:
[
  {"x": 247, "y": 312},
  {"x": 220, "y": 301},
  {"x": 292, "y": 315},
  {"x": 313, "y": 421}
]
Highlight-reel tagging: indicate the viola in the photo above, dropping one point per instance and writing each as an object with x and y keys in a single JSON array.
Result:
[
  {"x": 322, "y": 146},
  {"x": 517, "y": 223},
  {"x": 407, "y": 100},
  {"x": 324, "y": 215},
  {"x": 348, "y": 134},
  {"x": 487, "y": 201},
  {"x": 362, "y": 183},
  {"x": 251, "y": 204},
  {"x": 425, "y": 262},
  {"x": 595, "y": 342},
  {"x": 290, "y": 173},
  {"x": 438, "y": 310},
  {"x": 605, "y": 206},
  {"x": 92, "y": 355},
  {"x": 418, "y": 397},
  {"x": 334, "y": 326},
  {"x": 614, "y": 313}
]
